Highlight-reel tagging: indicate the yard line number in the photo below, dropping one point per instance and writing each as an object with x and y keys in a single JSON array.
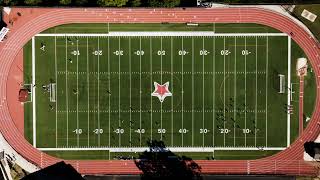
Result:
[
  {"x": 119, "y": 131},
  {"x": 225, "y": 52},
  {"x": 97, "y": 52},
  {"x": 225, "y": 131},
  {"x": 140, "y": 131},
  {"x": 77, "y": 131},
  {"x": 98, "y": 131}
]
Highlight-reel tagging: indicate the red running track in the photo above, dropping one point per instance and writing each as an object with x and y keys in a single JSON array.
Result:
[{"x": 288, "y": 161}]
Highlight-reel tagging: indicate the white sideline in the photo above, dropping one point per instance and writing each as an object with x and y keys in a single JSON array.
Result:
[
  {"x": 160, "y": 33},
  {"x": 289, "y": 90},
  {"x": 173, "y": 149},
  {"x": 34, "y": 143}
]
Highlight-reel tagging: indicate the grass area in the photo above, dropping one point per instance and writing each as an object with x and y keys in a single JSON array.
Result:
[
  {"x": 231, "y": 99},
  {"x": 309, "y": 90},
  {"x": 313, "y": 26},
  {"x": 84, "y": 155},
  {"x": 27, "y": 68},
  {"x": 229, "y": 155},
  {"x": 104, "y": 28}
]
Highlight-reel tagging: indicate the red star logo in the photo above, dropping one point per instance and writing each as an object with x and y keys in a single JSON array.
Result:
[{"x": 161, "y": 91}]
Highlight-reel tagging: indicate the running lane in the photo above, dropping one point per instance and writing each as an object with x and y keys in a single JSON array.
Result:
[{"x": 34, "y": 21}]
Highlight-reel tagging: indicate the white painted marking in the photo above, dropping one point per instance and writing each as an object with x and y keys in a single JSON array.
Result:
[
  {"x": 267, "y": 56},
  {"x": 88, "y": 86},
  {"x": 245, "y": 91},
  {"x": 173, "y": 149},
  {"x": 78, "y": 134},
  {"x": 34, "y": 93},
  {"x": 56, "y": 75},
  {"x": 289, "y": 90},
  {"x": 67, "y": 95},
  {"x": 162, "y": 33}
]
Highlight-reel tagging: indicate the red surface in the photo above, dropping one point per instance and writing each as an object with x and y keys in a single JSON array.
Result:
[
  {"x": 34, "y": 21},
  {"x": 301, "y": 93},
  {"x": 15, "y": 80}
]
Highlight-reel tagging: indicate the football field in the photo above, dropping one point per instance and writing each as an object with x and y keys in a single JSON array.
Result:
[{"x": 93, "y": 91}]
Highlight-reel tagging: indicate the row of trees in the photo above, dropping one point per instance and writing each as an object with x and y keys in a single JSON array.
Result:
[{"x": 102, "y": 3}]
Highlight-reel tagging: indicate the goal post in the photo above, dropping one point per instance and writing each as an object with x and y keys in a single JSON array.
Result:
[
  {"x": 282, "y": 83},
  {"x": 52, "y": 90}
]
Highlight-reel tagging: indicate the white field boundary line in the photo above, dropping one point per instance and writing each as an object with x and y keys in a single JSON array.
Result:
[
  {"x": 289, "y": 90},
  {"x": 34, "y": 93},
  {"x": 56, "y": 76},
  {"x": 173, "y": 149},
  {"x": 161, "y": 34}
]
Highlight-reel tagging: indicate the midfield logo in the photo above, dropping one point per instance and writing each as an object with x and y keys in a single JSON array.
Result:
[{"x": 161, "y": 91}]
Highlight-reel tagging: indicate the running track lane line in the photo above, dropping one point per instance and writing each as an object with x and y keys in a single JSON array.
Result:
[{"x": 287, "y": 161}]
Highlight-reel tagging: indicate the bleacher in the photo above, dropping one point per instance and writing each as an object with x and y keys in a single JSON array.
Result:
[{"x": 3, "y": 33}]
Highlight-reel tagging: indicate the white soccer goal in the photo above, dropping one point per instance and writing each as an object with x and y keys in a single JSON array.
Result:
[
  {"x": 52, "y": 89},
  {"x": 282, "y": 88}
]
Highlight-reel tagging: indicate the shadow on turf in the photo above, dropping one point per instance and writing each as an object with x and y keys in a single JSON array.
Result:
[{"x": 158, "y": 162}]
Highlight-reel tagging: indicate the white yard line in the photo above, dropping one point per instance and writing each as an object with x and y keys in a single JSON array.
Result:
[
  {"x": 164, "y": 72},
  {"x": 235, "y": 91},
  {"x": 151, "y": 84},
  {"x": 161, "y": 83},
  {"x": 224, "y": 91},
  {"x": 182, "y": 88},
  {"x": 99, "y": 141},
  {"x": 119, "y": 81},
  {"x": 171, "y": 55},
  {"x": 67, "y": 95},
  {"x": 162, "y": 33},
  {"x": 267, "y": 51},
  {"x": 130, "y": 94},
  {"x": 56, "y": 74},
  {"x": 78, "y": 94},
  {"x": 213, "y": 89},
  {"x": 192, "y": 100},
  {"x": 109, "y": 99},
  {"x": 88, "y": 86},
  {"x": 140, "y": 90},
  {"x": 34, "y": 126},
  {"x": 202, "y": 92},
  {"x": 289, "y": 90},
  {"x": 245, "y": 91},
  {"x": 256, "y": 103},
  {"x": 172, "y": 149}
]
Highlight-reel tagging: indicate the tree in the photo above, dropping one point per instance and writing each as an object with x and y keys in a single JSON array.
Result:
[
  {"x": 135, "y": 3},
  {"x": 32, "y": 2},
  {"x": 164, "y": 3},
  {"x": 65, "y": 2},
  {"x": 80, "y": 2},
  {"x": 113, "y": 3}
]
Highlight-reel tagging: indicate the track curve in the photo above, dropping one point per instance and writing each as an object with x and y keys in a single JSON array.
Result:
[{"x": 289, "y": 161}]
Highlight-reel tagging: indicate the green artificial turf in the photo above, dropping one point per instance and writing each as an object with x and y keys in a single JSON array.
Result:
[{"x": 104, "y": 96}]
